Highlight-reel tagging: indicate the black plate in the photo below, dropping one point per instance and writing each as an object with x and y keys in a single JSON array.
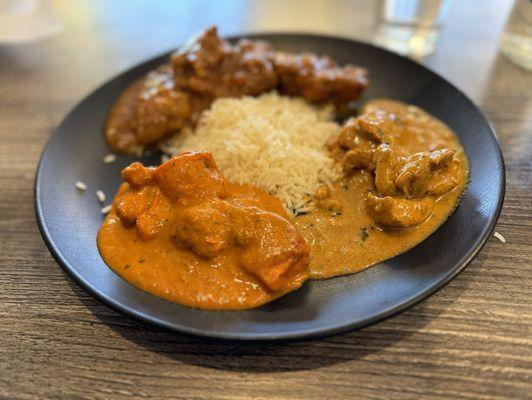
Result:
[{"x": 69, "y": 220}]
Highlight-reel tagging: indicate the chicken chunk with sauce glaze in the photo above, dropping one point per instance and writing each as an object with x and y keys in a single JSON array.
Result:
[
  {"x": 240, "y": 235},
  {"x": 406, "y": 185}
]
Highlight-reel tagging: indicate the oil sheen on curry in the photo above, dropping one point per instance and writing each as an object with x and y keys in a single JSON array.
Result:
[{"x": 185, "y": 233}]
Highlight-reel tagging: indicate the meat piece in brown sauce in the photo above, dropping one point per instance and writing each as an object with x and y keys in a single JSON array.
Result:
[
  {"x": 209, "y": 67},
  {"x": 213, "y": 68},
  {"x": 160, "y": 107},
  {"x": 319, "y": 79}
]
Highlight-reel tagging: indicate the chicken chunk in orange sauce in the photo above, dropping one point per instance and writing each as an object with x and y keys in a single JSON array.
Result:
[
  {"x": 183, "y": 233},
  {"x": 406, "y": 185}
]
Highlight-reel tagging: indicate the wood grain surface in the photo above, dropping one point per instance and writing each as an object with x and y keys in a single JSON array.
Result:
[{"x": 473, "y": 339}]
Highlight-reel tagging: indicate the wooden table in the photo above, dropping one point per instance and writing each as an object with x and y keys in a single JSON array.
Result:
[{"x": 473, "y": 339}]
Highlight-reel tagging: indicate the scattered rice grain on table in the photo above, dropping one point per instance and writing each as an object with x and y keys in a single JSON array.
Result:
[{"x": 500, "y": 237}]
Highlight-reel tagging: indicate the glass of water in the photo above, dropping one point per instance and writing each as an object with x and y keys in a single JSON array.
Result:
[
  {"x": 516, "y": 42},
  {"x": 409, "y": 27}
]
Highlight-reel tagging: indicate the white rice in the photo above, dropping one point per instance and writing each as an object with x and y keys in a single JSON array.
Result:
[
  {"x": 274, "y": 142},
  {"x": 81, "y": 186},
  {"x": 500, "y": 237},
  {"x": 101, "y": 196},
  {"x": 109, "y": 158},
  {"x": 106, "y": 209}
]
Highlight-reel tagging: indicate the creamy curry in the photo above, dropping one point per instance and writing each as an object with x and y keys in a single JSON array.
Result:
[
  {"x": 183, "y": 233},
  {"x": 346, "y": 234}
]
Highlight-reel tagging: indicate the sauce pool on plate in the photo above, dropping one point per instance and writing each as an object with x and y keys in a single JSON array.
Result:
[{"x": 184, "y": 233}]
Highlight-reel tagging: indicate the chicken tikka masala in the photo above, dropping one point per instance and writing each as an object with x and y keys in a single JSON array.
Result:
[{"x": 184, "y": 232}]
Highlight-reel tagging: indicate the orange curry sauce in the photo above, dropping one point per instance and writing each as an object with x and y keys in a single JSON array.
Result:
[{"x": 183, "y": 233}]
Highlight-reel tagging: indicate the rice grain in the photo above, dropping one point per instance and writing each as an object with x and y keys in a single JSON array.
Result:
[
  {"x": 101, "y": 196},
  {"x": 109, "y": 158},
  {"x": 500, "y": 237}
]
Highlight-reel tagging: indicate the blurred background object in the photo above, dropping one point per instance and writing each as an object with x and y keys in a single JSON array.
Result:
[
  {"x": 516, "y": 42},
  {"x": 27, "y": 20},
  {"x": 409, "y": 27}
]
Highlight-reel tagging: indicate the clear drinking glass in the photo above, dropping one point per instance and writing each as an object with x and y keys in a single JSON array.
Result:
[
  {"x": 516, "y": 42},
  {"x": 409, "y": 27},
  {"x": 24, "y": 21}
]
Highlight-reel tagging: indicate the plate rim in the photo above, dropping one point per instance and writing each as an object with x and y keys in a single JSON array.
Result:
[{"x": 302, "y": 334}]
